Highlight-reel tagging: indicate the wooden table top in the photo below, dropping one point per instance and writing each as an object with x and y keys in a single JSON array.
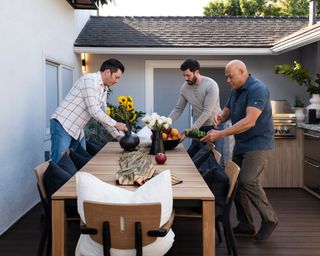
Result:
[{"x": 105, "y": 164}]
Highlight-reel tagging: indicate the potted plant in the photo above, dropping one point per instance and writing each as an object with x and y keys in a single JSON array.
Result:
[
  {"x": 299, "y": 109},
  {"x": 302, "y": 76}
]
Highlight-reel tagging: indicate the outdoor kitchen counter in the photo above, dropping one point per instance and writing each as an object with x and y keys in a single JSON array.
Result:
[
  {"x": 284, "y": 168},
  {"x": 313, "y": 127}
]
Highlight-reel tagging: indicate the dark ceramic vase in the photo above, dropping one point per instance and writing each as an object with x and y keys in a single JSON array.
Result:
[
  {"x": 129, "y": 141},
  {"x": 157, "y": 143}
]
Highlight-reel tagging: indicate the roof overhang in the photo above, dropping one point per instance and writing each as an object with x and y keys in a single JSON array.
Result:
[
  {"x": 173, "y": 51},
  {"x": 83, "y": 4},
  {"x": 298, "y": 40}
]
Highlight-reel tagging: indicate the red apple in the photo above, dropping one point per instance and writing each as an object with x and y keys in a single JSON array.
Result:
[
  {"x": 168, "y": 130},
  {"x": 160, "y": 158}
]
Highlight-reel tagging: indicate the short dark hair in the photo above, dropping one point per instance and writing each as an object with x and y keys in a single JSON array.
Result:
[
  {"x": 113, "y": 65},
  {"x": 191, "y": 64}
]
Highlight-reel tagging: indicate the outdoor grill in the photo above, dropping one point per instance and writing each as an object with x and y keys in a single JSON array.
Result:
[{"x": 284, "y": 119}]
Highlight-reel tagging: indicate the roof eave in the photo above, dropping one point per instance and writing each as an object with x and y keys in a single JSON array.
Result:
[
  {"x": 173, "y": 51},
  {"x": 294, "y": 42}
]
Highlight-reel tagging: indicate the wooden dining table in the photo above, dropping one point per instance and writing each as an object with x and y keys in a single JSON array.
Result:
[{"x": 192, "y": 191}]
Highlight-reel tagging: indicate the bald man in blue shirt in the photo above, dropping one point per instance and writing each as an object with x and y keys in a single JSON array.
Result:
[{"x": 249, "y": 109}]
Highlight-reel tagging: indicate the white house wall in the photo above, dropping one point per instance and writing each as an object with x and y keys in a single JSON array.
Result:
[{"x": 31, "y": 31}]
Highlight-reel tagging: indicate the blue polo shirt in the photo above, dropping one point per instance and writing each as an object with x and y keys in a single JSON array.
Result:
[{"x": 253, "y": 93}]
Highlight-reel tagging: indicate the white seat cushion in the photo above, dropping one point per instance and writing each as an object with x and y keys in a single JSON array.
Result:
[{"x": 157, "y": 189}]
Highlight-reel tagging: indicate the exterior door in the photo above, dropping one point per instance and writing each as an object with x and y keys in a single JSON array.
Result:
[{"x": 167, "y": 83}]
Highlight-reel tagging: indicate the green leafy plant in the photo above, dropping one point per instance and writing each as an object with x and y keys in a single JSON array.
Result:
[
  {"x": 301, "y": 75},
  {"x": 298, "y": 103}
]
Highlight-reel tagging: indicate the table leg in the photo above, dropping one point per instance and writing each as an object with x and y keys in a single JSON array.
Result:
[
  {"x": 208, "y": 228},
  {"x": 58, "y": 228}
]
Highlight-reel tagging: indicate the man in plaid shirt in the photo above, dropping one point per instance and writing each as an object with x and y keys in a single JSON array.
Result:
[{"x": 87, "y": 98}]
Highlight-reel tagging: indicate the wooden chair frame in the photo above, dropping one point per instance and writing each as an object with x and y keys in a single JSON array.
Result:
[
  {"x": 232, "y": 170},
  {"x": 124, "y": 226}
]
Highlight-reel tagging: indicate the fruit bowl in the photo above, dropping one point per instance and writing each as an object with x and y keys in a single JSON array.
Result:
[{"x": 170, "y": 144}]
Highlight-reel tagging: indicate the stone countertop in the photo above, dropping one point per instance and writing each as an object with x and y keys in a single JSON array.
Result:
[{"x": 313, "y": 127}]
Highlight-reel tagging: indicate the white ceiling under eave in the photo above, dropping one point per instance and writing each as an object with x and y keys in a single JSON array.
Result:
[
  {"x": 298, "y": 39},
  {"x": 173, "y": 51}
]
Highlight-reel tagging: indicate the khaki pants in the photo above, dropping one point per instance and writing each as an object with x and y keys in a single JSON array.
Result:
[{"x": 252, "y": 164}]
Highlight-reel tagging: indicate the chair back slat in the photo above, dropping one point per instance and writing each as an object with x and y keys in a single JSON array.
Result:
[
  {"x": 39, "y": 171},
  {"x": 216, "y": 153},
  {"x": 122, "y": 218},
  {"x": 232, "y": 170}
]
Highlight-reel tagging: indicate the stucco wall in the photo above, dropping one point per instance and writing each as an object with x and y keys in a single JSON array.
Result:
[
  {"x": 133, "y": 81},
  {"x": 31, "y": 31}
]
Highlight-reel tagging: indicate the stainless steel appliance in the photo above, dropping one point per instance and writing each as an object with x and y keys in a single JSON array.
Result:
[
  {"x": 312, "y": 160},
  {"x": 284, "y": 119}
]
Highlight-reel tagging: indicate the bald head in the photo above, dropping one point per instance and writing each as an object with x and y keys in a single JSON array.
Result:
[{"x": 236, "y": 73}]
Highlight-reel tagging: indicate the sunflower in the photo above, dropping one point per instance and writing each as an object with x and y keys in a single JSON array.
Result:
[
  {"x": 130, "y": 106},
  {"x": 133, "y": 118},
  {"x": 125, "y": 112},
  {"x": 123, "y": 100},
  {"x": 109, "y": 111}
]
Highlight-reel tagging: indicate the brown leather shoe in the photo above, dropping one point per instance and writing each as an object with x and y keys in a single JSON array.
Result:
[{"x": 265, "y": 231}]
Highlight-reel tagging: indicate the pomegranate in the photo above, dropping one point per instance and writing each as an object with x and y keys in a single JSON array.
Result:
[{"x": 160, "y": 158}]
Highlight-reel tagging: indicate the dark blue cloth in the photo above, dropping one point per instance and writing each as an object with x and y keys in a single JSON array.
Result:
[
  {"x": 252, "y": 94},
  {"x": 67, "y": 164},
  {"x": 80, "y": 157},
  {"x": 53, "y": 178},
  {"x": 196, "y": 145}
]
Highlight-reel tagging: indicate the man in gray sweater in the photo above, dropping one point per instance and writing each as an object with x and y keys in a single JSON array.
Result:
[{"x": 202, "y": 93}]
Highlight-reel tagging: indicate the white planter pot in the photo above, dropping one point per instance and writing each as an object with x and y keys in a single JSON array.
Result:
[
  {"x": 315, "y": 104},
  {"x": 300, "y": 116}
]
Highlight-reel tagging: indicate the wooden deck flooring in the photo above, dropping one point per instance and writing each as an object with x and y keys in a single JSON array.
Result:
[{"x": 297, "y": 234}]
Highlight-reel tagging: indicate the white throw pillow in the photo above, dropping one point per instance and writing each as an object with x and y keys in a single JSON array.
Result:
[{"x": 157, "y": 189}]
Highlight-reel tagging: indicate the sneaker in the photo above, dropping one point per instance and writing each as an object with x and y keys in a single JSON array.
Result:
[
  {"x": 265, "y": 231},
  {"x": 243, "y": 231}
]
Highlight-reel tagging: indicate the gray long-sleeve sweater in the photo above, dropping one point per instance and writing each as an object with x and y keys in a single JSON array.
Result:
[{"x": 204, "y": 99}]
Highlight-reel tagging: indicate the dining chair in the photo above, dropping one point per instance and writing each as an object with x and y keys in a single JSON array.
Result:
[
  {"x": 232, "y": 170},
  {"x": 215, "y": 152},
  {"x": 46, "y": 234},
  {"x": 71, "y": 215},
  {"x": 125, "y": 226}
]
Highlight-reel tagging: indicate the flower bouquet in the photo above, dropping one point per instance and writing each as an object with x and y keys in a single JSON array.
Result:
[
  {"x": 125, "y": 112},
  {"x": 157, "y": 124}
]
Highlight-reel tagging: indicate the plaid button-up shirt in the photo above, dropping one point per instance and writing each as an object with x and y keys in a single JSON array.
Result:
[{"x": 86, "y": 99}]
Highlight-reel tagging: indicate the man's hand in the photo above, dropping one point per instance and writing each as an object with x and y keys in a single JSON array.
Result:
[
  {"x": 121, "y": 127},
  {"x": 212, "y": 135},
  {"x": 183, "y": 136},
  {"x": 119, "y": 138},
  {"x": 217, "y": 120}
]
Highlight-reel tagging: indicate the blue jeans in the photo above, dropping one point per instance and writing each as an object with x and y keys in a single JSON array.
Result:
[{"x": 61, "y": 141}]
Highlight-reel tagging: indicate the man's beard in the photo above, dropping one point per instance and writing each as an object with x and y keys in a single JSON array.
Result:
[{"x": 192, "y": 82}]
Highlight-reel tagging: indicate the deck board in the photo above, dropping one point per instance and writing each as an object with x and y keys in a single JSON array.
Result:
[{"x": 297, "y": 234}]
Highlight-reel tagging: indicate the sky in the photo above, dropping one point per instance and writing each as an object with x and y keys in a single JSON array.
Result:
[{"x": 155, "y": 8}]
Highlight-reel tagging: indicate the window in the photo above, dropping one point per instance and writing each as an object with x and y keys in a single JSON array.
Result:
[{"x": 59, "y": 80}]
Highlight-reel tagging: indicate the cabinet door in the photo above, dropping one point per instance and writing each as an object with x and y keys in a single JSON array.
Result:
[{"x": 285, "y": 163}]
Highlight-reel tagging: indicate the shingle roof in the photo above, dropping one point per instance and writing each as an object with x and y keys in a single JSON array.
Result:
[{"x": 219, "y": 32}]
